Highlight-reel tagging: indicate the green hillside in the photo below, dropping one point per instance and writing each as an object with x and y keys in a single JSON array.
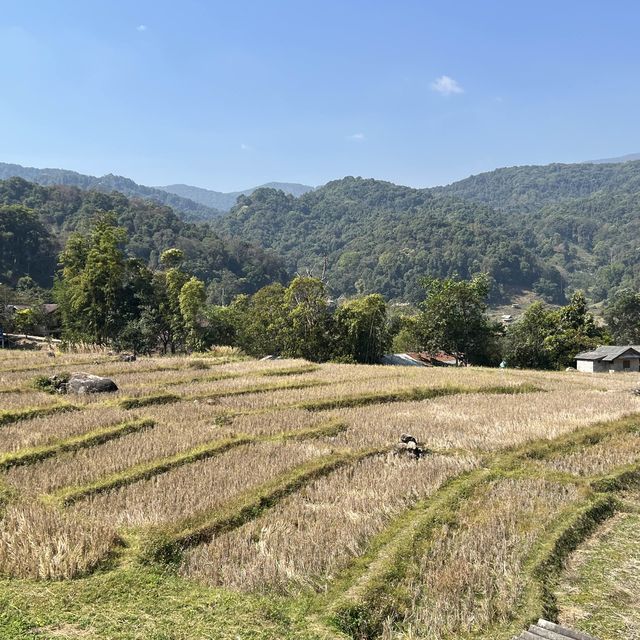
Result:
[
  {"x": 527, "y": 188},
  {"x": 35, "y": 221},
  {"x": 376, "y": 236}
]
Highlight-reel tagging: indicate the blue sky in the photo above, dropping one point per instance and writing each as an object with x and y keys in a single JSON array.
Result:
[{"x": 234, "y": 94}]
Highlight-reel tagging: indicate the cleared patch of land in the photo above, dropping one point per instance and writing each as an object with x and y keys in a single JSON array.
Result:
[{"x": 215, "y": 496}]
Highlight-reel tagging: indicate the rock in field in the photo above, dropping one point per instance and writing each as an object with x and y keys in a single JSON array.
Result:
[{"x": 82, "y": 383}]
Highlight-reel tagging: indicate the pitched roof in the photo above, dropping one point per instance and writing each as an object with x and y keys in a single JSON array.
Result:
[
  {"x": 401, "y": 359},
  {"x": 607, "y": 353}
]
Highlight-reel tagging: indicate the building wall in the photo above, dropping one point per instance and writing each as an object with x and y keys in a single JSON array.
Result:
[
  {"x": 617, "y": 365},
  {"x": 586, "y": 366}
]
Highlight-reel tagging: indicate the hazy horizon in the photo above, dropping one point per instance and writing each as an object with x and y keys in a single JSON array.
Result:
[{"x": 228, "y": 97}]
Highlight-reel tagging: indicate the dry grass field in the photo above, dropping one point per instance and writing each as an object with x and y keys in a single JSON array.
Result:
[{"x": 219, "y": 497}]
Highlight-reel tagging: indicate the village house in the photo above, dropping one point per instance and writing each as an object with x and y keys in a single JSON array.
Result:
[
  {"x": 49, "y": 324},
  {"x": 610, "y": 358}
]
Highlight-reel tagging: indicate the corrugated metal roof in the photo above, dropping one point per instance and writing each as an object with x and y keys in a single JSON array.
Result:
[
  {"x": 552, "y": 631},
  {"x": 607, "y": 353},
  {"x": 401, "y": 359}
]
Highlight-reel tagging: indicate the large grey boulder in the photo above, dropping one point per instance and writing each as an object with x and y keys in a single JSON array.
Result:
[{"x": 82, "y": 383}]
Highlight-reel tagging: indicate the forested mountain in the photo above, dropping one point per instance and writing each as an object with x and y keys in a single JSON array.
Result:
[
  {"x": 107, "y": 184},
  {"x": 525, "y": 189},
  {"x": 225, "y": 201},
  {"x": 595, "y": 239},
  {"x": 546, "y": 228},
  {"x": 35, "y": 221},
  {"x": 543, "y": 228},
  {"x": 379, "y": 237}
]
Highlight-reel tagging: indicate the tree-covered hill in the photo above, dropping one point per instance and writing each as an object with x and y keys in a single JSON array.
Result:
[
  {"x": 595, "y": 239},
  {"x": 46, "y": 177},
  {"x": 35, "y": 222},
  {"x": 375, "y": 236},
  {"x": 547, "y": 228},
  {"x": 225, "y": 201},
  {"x": 527, "y": 188}
]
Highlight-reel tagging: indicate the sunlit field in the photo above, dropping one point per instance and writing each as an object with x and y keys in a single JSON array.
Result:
[{"x": 208, "y": 486}]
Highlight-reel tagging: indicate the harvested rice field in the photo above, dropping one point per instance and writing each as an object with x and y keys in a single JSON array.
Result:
[{"x": 221, "y": 497}]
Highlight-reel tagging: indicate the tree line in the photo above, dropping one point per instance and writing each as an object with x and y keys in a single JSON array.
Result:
[{"x": 108, "y": 297}]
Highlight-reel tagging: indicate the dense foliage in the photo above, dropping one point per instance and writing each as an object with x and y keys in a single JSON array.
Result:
[
  {"x": 299, "y": 322},
  {"x": 36, "y": 221},
  {"x": 543, "y": 228},
  {"x": 454, "y": 319},
  {"x": 545, "y": 338},
  {"x": 376, "y": 237},
  {"x": 526, "y": 189}
]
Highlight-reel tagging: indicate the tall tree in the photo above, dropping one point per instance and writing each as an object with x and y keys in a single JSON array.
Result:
[
  {"x": 192, "y": 298},
  {"x": 575, "y": 330},
  {"x": 361, "y": 328},
  {"x": 309, "y": 317},
  {"x": 91, "y": 287},
  {"x": 525, "y": 341},
  {"x": 453, "y": 318},
  {"x": 261, "y": 321}
]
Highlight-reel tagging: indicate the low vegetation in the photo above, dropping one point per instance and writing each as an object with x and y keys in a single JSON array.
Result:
[{"x": 278, "y": 488}]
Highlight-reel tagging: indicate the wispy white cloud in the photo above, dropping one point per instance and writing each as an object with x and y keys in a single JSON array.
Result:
[
  {"x": 357, "y": 137},
  {"x": 245, "y": 147},
  {"x": 141, "y": 27},
  {"x": 446, "y": 86}
]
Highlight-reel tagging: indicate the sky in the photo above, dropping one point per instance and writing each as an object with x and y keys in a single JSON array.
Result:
[{"x": 229, "y": 95}]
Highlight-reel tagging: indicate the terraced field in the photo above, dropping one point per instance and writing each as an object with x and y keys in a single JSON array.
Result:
[{"x": 217, "y": 497}]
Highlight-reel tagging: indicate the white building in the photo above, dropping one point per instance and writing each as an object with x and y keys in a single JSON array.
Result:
[{"x": 610, "y": 359}]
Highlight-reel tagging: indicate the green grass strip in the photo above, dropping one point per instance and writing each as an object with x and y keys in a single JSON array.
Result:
[
  {"x": 214, "y": 377},
  {"x": 169, "y": 398},
  {"x": 147, "y": 401},
  {"x": 145, "y": 470},
  {"x": 414, "y": 394},
  {"x": 585, "y": 437},
  {"x": 89, "y": 439},
  {"x": 166, "y": 544},
  {"x": 54, "y": 365},
  {"x": 265, "y": 388},
  {"x": 361, "y": 400},
  {"x": 626, "y": 477},
  {"x": 375, "y": 591},
  {"x": 9, "y": 417},
  {"x": 289, "y": 371}
]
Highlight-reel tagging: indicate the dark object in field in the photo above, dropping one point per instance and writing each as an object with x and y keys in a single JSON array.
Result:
[
  {"x": 636, "y": 392},
  {"x": 82, "y": 383},
  {"x": 409, "y": 446},
  {"x": 127, "y": 357},
  {"x": 546, "y": 629}
]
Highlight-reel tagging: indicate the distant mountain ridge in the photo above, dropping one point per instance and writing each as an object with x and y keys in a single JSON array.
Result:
[
  {"x": 527, "y": 188},
  {"x": 225, "y": 201},
  {"x": 630, "y": 157},
  {"x": 108, "y": 184},
  {"x": 195, "y": 203}
]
